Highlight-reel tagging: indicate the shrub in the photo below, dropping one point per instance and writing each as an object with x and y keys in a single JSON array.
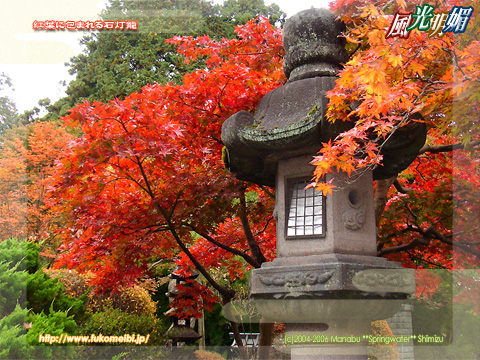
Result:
[
  {"x": 17, "y": 343},
  {"x": 75, "y": 284},
  {"x": 134, "y": 300},
  {"x": 12, "y": 286},
  {"x": 45, "y": 294},
  {"x": 13, "y": 275},
  {"x": 217, "y": 328},
  {"x": 13, "y": 336},
  {"x": 113, "y": 321},
  {"x": 21, "y": 278},
  {"x": 21, "y": 251},
  {"x": 33, "y": 258},
  {"x": 13, "y": 251},
  {"x": 54, "y": 324}
]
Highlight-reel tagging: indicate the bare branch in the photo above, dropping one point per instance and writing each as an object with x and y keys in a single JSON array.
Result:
[
  {"x": 227, "y": 294},
  {"x": 417, "y": 229},
  {"x": 439, "y": 236},
  {"x": 400, "y": 187},
  {"x": 413, "y": 257},
  {"x": 252, "y": 243},
  {"x": 394, "y": 249},
  {"x": 454, "y": 57},
  {"x": 446, "y": 148},
  {"x": 162, "y": 260},
  {"x": 268, "y": 192},
  {"x": 244, "y": 255},
  {"x": 427, "y": 235},
  {"x": 265, "y": 227},
  {"x": 354, "y": 50},
  {"x": 177, "y": 198},
  {"x": 183, "y": 102},
  {"x": 216, "y": 139}
]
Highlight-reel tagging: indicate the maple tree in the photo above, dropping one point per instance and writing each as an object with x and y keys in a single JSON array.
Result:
[
  {"x": 12, "y": 193},
  {"x": 146, "y": 181},
  {"x": 26, "y": 160},
  {"x": 388, "y": 80}
]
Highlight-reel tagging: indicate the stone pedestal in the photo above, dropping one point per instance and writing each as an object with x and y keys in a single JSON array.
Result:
[{"x": 329, "y": 301}]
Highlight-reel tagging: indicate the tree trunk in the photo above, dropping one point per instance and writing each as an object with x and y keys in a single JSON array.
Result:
[
  {"x": 381, "y": 193},
  {"x": 265, "y": 341},
  {"x": 243, "y": 351}
]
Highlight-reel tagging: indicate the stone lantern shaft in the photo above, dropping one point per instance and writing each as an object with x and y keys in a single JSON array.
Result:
[{"x": 309, "y": 223}]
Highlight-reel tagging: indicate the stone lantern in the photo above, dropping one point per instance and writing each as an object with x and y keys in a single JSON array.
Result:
[
  {"x": 181, "y": 331},
  {"x": 326, "y": 282}
]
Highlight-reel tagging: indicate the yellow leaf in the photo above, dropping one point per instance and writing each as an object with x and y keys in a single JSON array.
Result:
[
  {"x": 395, "y": 60},
  {"x": 325, "y": 188}
]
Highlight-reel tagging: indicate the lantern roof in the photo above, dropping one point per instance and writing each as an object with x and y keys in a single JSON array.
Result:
[{"x": 290, "y": 120}]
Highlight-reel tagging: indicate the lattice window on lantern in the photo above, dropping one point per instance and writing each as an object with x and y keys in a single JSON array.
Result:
[{"x": 305, "y": 211}]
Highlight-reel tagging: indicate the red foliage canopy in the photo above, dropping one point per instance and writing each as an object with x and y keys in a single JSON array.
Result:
[{"x": 146, "y": 179}]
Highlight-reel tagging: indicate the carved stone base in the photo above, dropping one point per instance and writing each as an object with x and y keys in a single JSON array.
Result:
[
  {"x": 331, "y": 276},
  {"x": 329, "y": 301}
]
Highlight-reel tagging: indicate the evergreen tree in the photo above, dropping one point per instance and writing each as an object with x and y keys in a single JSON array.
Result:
[
  {"x": 8, "y": 109},
  {"x": 116, "y": 63}
]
